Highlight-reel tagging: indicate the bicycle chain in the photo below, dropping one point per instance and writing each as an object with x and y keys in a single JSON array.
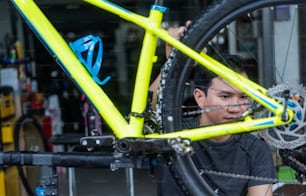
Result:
[
  {"x": 212, "y": 109},
  {"x": 293, "y": 163},
  {"x": 239, "y": 176},
  {"x": 248, "y": 177}
]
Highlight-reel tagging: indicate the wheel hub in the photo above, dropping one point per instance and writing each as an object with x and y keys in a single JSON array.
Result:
[{"x": 292, "y": 135}]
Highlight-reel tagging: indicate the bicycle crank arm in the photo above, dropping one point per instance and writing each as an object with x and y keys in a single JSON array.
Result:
[
  {"x": 155, "y": 146},
  {"x": 134, "y": 146}
]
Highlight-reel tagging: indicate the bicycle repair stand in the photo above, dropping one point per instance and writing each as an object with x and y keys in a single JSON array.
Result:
[
  {"x": 71, "y": 141},
  {"x": 49, "y": 161}
]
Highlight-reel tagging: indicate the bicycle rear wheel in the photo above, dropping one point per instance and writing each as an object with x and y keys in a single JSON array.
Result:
[
  {"x": 28, "y": 137},
  {"x": 267, "y": 39}
]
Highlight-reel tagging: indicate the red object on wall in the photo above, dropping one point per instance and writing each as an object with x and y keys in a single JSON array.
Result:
[{"x": 47, "y": 131}]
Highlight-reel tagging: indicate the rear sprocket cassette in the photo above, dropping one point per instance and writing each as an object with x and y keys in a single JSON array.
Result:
[{"x": 292, "y": 135}]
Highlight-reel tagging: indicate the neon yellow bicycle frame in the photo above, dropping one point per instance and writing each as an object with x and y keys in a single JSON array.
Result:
[{"x": 152, "y": 26}]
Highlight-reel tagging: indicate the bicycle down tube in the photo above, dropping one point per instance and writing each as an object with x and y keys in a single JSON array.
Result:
[{"x": 133, "y": 129}]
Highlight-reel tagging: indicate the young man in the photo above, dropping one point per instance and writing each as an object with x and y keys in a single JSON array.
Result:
[{"x": 242, "y": 154}]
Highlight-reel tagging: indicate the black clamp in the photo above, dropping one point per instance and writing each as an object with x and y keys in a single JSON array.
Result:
[{"x": 138, "y": 115}]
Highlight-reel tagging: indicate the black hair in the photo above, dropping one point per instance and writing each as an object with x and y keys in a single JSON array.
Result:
[{"x": 203, "y": 77}]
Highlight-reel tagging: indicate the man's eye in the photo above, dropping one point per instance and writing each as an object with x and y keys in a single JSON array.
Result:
[
  {"x": 224, "y": 96},
  {"x": 244, "y": 97}
]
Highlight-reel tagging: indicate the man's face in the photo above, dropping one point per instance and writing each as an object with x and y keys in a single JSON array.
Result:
[{"x": 221, "y": 93}]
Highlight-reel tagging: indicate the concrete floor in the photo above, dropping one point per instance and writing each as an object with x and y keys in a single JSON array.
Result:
[{"x": 97, "y": 182}]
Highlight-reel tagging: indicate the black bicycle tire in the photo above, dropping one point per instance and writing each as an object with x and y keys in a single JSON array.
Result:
[
  {"x": 17, "y": 131},
  {"x": 176, "y": 71}
]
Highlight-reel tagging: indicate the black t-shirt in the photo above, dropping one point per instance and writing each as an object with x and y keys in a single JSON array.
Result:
[{"x": 242, "y": 154}]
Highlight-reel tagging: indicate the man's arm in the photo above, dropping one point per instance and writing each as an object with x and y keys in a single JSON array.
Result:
[
  {"x": 262, "y": 165},
  {"x": 154, "y": 87},
  {"x": 260, "y": 190},
  {"x": 174, "y": 32}
]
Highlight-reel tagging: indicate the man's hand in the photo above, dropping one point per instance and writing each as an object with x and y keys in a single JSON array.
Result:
[{"x": 176, "y": 32}]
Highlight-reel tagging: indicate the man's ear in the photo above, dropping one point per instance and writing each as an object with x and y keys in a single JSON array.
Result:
[{"x": 199, "y": 97}]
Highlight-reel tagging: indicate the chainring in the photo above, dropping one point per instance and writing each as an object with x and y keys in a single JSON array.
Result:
[{"x": 292, "y": 135}]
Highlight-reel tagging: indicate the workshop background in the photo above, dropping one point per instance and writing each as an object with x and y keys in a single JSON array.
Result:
[
  {"x": 43, "y": 101},
  {"x": 37, "y": 89}
]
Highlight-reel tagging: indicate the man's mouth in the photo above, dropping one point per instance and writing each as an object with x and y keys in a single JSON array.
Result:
[{"x": 232, "y": 118}]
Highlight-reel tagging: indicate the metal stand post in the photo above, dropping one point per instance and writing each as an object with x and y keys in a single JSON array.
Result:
[
  {"x": 130, "y": 181},
  {"x": 48, "y": 182}
]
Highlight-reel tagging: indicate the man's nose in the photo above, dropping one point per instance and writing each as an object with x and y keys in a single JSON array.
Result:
[{"x": 236, "y": 105}]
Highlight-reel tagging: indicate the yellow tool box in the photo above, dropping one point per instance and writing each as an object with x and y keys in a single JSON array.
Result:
[
  {"x": 7, "y": 131},
  {"x": 9, "y": 178},
  {"x": 7, "y": 109}
]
